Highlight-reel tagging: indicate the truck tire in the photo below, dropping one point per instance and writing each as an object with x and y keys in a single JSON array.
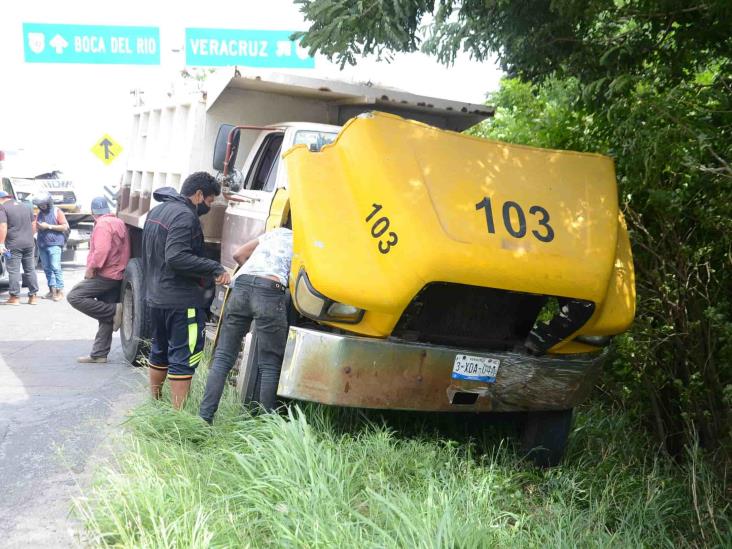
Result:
[
  {"x": 246, "y": 379},
  {"x": 68, "y": 253},
  {"x": 544, "y": 436},
  {"x": 135, "y": 330}
]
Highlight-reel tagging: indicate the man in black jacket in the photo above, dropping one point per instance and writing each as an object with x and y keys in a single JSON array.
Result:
[{"x": 178, "y": 282}]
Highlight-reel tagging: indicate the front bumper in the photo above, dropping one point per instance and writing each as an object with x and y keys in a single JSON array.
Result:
[
  {"x": 362, "y": 372},
  {"x": 68, "y": 208}
]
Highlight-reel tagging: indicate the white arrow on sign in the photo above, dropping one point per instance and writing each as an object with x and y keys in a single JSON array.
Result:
[{"x": 58, "y": 43}]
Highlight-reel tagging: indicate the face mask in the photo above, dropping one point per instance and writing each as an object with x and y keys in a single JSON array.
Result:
[{"x": 202, "y": 209}]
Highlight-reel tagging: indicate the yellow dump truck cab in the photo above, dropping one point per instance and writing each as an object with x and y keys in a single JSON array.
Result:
[{"x": 445, "y": 272}]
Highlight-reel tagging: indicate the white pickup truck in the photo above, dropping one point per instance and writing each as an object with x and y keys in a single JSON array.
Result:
[{"x": 24, "y": 175}]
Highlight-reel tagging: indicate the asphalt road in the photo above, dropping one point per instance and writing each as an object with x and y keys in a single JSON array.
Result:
[{"x": 56, "y": 416}]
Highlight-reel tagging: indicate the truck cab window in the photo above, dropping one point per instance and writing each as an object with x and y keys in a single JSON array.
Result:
[
  {"x": 265, "y": 163},
  {"x": 272, "y": 178},
  {"x": 315, "y": 140}
]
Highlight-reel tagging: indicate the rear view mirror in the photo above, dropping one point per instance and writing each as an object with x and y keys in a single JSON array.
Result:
[{"x": 222, "y": 146}]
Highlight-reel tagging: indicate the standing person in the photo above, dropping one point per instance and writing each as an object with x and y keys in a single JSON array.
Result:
[
  {"x": 16, "y": 237},
  {"x": 98, "y": 294},
  {"x": 178, "y": 282},
  {"x": 258, "y": 294},
  {"x": 51, "y": 225}
]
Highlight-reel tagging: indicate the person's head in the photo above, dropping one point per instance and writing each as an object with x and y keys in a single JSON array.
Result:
[
  {"x": 99, "y": 207},
  {"x": 43, "y": 201},
  {"x": 201, "y": 188},
  {"x": 4, "y": 197}
]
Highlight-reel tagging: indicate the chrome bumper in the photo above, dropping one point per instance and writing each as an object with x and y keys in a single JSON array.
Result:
[{"x": 362, "y": 372}]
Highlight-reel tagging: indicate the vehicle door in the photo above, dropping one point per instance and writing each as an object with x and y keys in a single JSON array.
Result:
[
  {"x": 248, "y": 209},
  {"x": 315, "y": 139}
]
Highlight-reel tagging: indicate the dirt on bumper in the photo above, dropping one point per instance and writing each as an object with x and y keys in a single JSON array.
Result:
[{"x": 361, "y": 372}]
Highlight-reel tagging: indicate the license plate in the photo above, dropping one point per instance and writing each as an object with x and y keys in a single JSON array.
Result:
[{"x": 475, "y": 368}]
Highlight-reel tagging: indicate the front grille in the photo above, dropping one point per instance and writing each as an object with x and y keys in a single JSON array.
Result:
[
  {"x": 65, "y": 197},
  {"x": 469, "y": 316}
]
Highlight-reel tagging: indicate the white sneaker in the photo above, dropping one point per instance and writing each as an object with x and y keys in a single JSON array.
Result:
[{"x": 92, "y": 360}]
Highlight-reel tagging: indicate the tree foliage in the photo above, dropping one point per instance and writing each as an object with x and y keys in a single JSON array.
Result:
[
  {"x": 675, "y": 365},
  {"x": 648, "y": 82},
  {"x": 531, "y": 38}
]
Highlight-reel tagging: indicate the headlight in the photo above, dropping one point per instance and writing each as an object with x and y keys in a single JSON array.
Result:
[
  {"x": 308, "y": 300},
  {"x": 341, "y": 310},
  {"x": 315, "y": 305}
]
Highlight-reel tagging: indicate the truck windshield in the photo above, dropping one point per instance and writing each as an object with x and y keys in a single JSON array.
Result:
[
  {"x": 8, "y": 187},
  {"x": 315, "y": 140}
]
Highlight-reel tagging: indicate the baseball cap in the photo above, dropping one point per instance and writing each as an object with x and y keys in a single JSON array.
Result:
[
  {"x": 3, "y": 194},
  {"x": 99, "y": 206}
]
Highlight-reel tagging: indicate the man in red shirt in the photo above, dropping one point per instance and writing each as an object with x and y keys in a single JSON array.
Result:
[{"x": 98, "y": 294}]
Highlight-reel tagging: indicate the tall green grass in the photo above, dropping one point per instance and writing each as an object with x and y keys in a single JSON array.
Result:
[{"x": 323, "y": 477}]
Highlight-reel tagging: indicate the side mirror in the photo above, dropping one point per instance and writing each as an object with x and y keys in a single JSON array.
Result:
[{"x": 222, "y": 145}]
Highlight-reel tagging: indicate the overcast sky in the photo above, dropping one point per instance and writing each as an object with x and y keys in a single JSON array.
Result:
[{"x": 62, "y": 109}]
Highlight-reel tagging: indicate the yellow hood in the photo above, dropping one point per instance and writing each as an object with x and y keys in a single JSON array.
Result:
[{"x": 394, "y": 204}]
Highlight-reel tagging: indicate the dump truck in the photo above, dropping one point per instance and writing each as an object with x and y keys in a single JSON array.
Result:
[{"x": 432, "y": 270}]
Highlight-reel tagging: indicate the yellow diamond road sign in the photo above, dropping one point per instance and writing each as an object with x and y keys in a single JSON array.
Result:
[{"x": 106, "y": 149}]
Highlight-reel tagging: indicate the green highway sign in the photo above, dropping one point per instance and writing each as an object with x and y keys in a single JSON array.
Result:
[
  {"x": 253, "y": 48},
  {"x": 91, "y": 44}
]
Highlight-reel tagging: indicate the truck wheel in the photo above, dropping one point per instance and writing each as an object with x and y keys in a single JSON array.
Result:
[
  {"x": 135, "y": 330},
  {"x": 68, "y": 253},
  {"x": 246, "y": 379},
  {"x": 544, "y": 436}
]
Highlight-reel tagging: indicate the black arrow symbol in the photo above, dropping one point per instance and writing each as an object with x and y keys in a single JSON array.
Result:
[{"x": 106, "y": 143}]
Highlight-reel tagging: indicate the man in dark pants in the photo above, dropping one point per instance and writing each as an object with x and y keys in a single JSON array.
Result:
[
  {"x": 258, "y": 294},
  {"x": 16, "y": 237},
  {"x": 178, "y": 282},
  {"x": 98, "y": 294}
]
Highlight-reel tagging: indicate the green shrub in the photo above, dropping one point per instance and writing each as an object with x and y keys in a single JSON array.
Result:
[{"x": 669, "y": 144}]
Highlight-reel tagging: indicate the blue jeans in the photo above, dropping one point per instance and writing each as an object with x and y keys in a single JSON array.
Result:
[
  {"x": 51, "y": 261},
  {"x": 251, "y": 298}
]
